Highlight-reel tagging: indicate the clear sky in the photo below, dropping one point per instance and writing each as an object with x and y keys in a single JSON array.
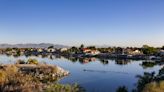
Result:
[{"x": 91, "y": 22}]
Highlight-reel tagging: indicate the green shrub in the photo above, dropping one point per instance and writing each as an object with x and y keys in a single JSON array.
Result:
[{"x": 32, "y": 61}]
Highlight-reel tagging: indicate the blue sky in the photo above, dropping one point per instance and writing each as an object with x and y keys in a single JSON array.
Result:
[{"x": 91, "y": 22}]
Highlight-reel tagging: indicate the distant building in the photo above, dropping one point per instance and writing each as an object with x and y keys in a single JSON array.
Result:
[
  {"x": 133, "y": 52},
  {"x": 90, "y": 52}
]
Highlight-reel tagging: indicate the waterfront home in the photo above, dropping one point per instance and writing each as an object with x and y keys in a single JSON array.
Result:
[
  {"x": 85, "y": 50},
  {"x": 90, "y": 52},
  {"x": 133, "y": 52}
]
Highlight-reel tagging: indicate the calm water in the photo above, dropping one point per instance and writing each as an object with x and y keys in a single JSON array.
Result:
[{"x": 99, "y": 77}]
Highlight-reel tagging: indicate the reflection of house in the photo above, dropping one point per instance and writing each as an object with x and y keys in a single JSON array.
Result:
[
  {"x": 91, "y": 52},
  {"x": 87, "y": 60},
  {"x": 122, "y": 62},
  {"x": 161, "y": 52}
]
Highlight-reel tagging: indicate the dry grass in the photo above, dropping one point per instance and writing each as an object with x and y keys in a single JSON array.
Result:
[
  {"x": 154, "y": 87},
  {"x": 14, "y": 79}
]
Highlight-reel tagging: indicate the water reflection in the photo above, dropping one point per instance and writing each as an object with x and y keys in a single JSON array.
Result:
[
  {"x": 149, "y": 82},
  {"x": 122, "y": 61},
  {"x": 103, "y": 75}
]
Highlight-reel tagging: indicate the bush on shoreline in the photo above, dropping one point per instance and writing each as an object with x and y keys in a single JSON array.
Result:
[{"x": 41, "y": 79}]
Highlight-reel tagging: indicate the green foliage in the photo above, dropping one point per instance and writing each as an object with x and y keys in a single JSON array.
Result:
[
  {"x": 105, "y": 50},
  {"x": 74, "y": 50},
  {"x": 32, "y": 61},
  {"x": 82, "y": 46},
  {"x": 50, "y": 47},
  {"x": 162, "y": 47},
  {"x": 144, "y": 80},
  {"x": 122, "y": 89},
  {"x": 119, "y": 50},
  {"x": 92, "y": 47},
  {"x": 147, "y": 50},
  {"x": 148, "y": 64},
  {"x": 8, "y": 49}
]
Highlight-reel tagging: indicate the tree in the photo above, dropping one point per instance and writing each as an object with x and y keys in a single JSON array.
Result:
[
  {"x": 119, "y": 50},
  {"x": 50, "y": 47},
  {"x": 92, "y": 47},
  {"x": 145, "y": 46},
  {"x": 82, "y": 46},
  {"x": 122, "y": 89},
  {"x": 9, "y": 49},
  {"x": 74, "y": 49},
  {"x": 162, "y": 47},
  {"x": 149, "y": 50}
]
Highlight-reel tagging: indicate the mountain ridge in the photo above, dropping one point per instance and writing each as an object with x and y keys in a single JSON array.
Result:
[{"x": 32, "y": 45}]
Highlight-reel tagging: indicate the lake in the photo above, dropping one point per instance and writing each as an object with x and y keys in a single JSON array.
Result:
[{"x": 95, "y": 75}]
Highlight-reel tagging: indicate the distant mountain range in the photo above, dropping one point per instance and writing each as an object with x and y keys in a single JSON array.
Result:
[{"x": 41, "y": 45}]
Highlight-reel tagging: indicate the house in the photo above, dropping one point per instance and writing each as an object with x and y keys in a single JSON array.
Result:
[
  {"x": 90, "y": 52},
  {"x": 85, "y": 50},
  {"x": 95, "y": 52},
  {"x": 133, "y": 52},
  {"x": 136, "y": 52}
]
